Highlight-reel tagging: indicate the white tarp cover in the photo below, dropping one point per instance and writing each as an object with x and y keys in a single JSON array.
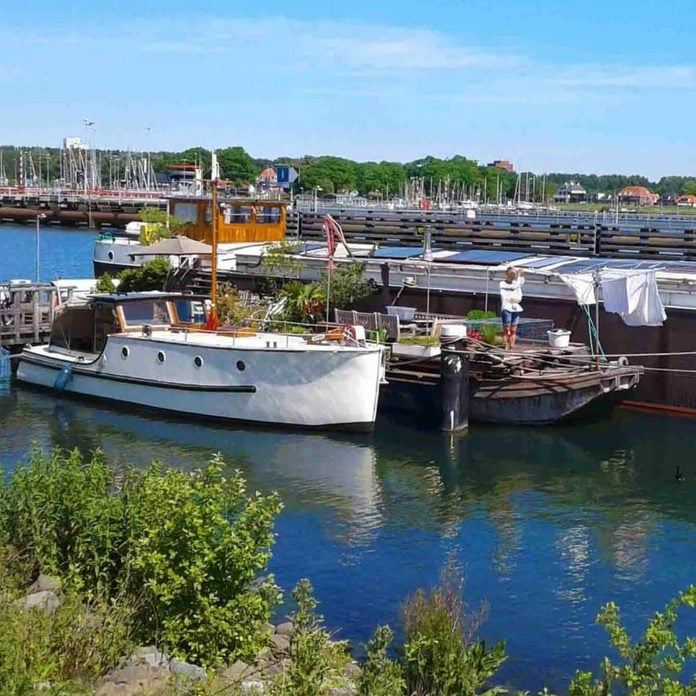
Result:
[{"x": 631, "y": 294}]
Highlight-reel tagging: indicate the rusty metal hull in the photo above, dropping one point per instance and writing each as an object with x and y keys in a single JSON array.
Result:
[{"x": 541, "y": 401}]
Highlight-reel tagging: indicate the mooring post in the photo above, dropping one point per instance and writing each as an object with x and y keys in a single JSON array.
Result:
[{"x": 454, "y": 371}]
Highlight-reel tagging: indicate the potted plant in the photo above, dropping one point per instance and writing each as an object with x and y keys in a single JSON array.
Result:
[{"x": 417, "y": 347}]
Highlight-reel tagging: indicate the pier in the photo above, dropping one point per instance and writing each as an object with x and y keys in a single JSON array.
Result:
[
  {"x": 93, "y": 209},
  {"x": 26, "y": 313}
]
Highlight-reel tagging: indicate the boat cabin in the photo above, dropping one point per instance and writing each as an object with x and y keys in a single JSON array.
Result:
[
  {"x": 84, "y": 328},
  {"x": 241, "y": 220}
]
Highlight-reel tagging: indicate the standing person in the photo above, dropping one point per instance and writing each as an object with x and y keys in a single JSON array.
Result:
[{"x": 511, "y": 309}]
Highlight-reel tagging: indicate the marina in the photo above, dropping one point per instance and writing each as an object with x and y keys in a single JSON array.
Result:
[{"x": 347, "y": 349}]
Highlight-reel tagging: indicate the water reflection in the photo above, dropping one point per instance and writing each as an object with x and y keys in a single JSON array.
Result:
[{"x": 547, "y": 523}]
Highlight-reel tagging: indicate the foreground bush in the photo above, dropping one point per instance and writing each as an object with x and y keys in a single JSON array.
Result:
[
  {"x": 442, "y": 654},
  {"x": 184, "y": 549},
  {"x": 655, "y": 664},
  {"x": 316, "y": 662},
  {"x": 69, "y": 648}
]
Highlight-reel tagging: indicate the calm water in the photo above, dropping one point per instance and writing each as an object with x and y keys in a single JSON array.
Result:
[
  {"x": 64, "y": 253},
  {"x": 547, "y": 524}
]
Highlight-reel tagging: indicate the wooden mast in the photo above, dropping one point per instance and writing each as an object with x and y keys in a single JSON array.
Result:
[{"x": 212, "y": 322}]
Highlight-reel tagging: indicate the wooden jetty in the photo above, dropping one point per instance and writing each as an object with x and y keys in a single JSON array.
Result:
[{"x": 26, "y": 313}]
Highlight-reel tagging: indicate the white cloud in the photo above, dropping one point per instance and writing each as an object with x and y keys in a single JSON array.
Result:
[
  {"x": 637, "y": 77},
  {"x": 345, "y": 46}
]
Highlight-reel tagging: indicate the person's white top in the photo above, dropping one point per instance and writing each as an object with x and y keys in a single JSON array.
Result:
[{"x": 511, "y": 295}]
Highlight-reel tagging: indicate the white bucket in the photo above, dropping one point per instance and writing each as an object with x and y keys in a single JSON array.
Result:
[
  {"x": 559, "y": 338},
  {"x": 452, "y": 332},
  {"x": 404, "y": 313},
  {"x": 359, "y": 333}
]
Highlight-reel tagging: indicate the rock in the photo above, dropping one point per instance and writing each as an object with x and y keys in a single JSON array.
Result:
[
  {"x": 285, "y": 629},
  {"x": 268, "y": 629},
  {"x": 270, "y": 668},
  {"x": 253, "y": 686},
  {"x": 186, "y": 669},
  {"x": 237, "y": 671},
  {"x": 280, "y": 643},
  {"x": 45, "y": 582},
  {"x": 352, "y": 670},
  {"x": 46, "y": 600},
  {"x": 131, "y": 680},
  {"x": 149, "y": 655},
  {"x": 342, "y": 691}
]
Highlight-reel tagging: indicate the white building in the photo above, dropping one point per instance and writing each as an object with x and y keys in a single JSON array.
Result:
[{"x": 73, "y": 144}]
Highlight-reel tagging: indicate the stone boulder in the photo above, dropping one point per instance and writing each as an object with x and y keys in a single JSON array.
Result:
[
  {"x": 44, "y": 583},
  {"x": 45, "y": 600}
]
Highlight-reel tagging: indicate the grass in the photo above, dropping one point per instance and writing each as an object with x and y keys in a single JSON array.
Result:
[
  {"x": 653, "y": 210},
  {"x": 432, "y": 341}
]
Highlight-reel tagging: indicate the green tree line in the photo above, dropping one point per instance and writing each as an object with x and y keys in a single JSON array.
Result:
[{"x": 330, "y": 174}]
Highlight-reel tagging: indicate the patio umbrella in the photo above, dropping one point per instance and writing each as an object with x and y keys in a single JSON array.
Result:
[{"x": 176, "y": 246}]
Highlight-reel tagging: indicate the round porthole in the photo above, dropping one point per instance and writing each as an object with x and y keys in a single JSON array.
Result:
[
  {"x": 241, "y": 366},
  {"x": 125, "y": 352},
  {"x": 161, "y": 357},
  {"x": 198, "y": 361},
  {"x": 111, "y": 256}
]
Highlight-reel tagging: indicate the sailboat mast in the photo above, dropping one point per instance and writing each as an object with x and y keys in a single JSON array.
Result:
[{"x": 214, "y": 225}]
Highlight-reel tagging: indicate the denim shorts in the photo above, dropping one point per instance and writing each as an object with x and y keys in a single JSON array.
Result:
[{"x": 510, "y": 318}]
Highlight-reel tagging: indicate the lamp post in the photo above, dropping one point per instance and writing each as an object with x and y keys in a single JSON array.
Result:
[
  {"x": 316, "y": 189},
  {"x": 39, "y": 217}
]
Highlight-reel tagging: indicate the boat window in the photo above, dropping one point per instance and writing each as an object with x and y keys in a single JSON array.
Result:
[
  {"x": 125, "y": 352},
  {"x": 186, "y": 212},
  {"x": 105, "y": 323},
  {"x": 189, "y": 312},
  {"x": 236, "y": 214},
  {"x": 241, "y": 366},
  {"x": 73, "y": 329},
  {"x": 145, "y": 312},
  {"x": 161, "y": 357},
  {"x": 267, "y": 215},
  {"x": 198, "y": 361}
]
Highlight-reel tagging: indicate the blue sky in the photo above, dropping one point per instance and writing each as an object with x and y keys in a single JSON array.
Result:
[{"x": 593, "y": 86}]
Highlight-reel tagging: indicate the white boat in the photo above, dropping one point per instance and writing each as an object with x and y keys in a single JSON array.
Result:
[{"x": 146, "y": 349}]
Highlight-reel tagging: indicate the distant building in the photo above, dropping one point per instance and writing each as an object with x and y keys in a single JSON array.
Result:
[
  {"x": 571, "y": 192},
  {"x": 344, "y": 199},
  {"x": 502, "y": 164},
  {"x": 73, "y": 144},
  {"x": 181, "y": 177},
  {"x": 267, "y": 180},
  {"x": 688, "y": 201},
  {"x": 637, "y": 195}
]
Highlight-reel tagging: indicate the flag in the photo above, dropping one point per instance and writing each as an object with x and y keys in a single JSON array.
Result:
[
  {"x": 212, "y": 323},
  {"x": 330, "y": 230}
]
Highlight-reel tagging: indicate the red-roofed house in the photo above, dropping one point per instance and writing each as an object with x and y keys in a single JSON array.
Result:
[
  {"x": 267, "y": 179},
  {"x": 688, "y": 201},
  {"x": 637, "y": 195}
]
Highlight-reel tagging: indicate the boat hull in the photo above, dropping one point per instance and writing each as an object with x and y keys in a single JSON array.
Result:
[
  {"x": 327, "y": 389},
  {"x": 545, "y": 401},
  {"x": 516, "y": 401}
]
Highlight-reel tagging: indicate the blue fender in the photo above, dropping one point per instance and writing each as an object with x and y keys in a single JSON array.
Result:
[{"x": 63, "y": 379}]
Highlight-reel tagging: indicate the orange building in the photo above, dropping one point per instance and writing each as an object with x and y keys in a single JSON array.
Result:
[{"x": 637, "y": 195}]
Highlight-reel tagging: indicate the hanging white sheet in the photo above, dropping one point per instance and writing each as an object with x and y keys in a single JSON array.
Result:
[
  {"x": 583, "y": 285},
  {"x": 633, "y": 295}
]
